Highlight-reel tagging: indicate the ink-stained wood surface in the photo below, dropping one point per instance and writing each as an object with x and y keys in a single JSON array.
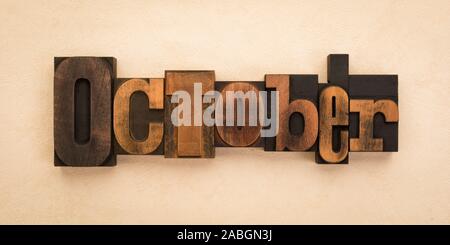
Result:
[
  {"x": 305, "y": 140},
  {"x": 337, "y": 75},
  {"x": 279, "y": 83},
  {"x": 187, "y": 141},
  {"x": 338, "y": 70},
  {"x": 366, "y": 110},
  {"x": 298, "y": 116},
  {"x": 333, "y": 106},
  {"x": 83, "y": 111},
  {"x": 239, "y": 136},
  {"x": 375, "y": 88},
  {"x": 365, "y": 141},
  {"x": 138, "y": 116},
  {"x": 349, "y": 113}
]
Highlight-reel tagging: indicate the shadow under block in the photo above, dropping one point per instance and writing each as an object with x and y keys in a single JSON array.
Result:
[
  {"x": 83, "y": 111},
  {"x": 194, "y": 139},
  {"x": 139, "y": 116},
  {"x": 245, "y": 135}
]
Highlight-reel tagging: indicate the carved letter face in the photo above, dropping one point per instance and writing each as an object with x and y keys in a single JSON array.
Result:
[
  {"x": 373, "y": 112},
  {"x": 126, "y": 138},
  {"x": 188, "y": 113},
  {"x": 195, "y": 140},
  {"x": 367, "y": 110},
  {"x": 333, "y": 103},
  {"x": 297, "y": 111},
  {"x": 83, "y": 108},
  {"x": 243, "y": 95}
]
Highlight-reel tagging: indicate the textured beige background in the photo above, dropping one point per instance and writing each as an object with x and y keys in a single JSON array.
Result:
[{"x": 241, "y": 40}]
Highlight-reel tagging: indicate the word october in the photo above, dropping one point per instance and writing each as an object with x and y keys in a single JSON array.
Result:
[{"x": 188, "y": 113}]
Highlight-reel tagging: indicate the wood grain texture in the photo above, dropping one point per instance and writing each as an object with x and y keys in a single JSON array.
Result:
[
  {"x": 298, "y": 116},
  {"x": 367, "y": 110},
  {"x": 91, "y": 106},
  {"x": 280, "y": 83},
  {"x": 187, "y": 141},
  {"x": 337, "y": 75},
  {"x": 333, "y": 103},
  {"x": 305, "y": 140},
  {"x": 239, "y": 136},
  {"x": 365, "y": 141},
  {"x": 375, "y": 88},
  {"x": 125, "y": 137}
]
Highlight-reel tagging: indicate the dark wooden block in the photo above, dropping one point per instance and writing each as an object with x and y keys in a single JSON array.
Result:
[
  {"x": 338, "y": 70},
  {"x": 239, "y": 136},
  {"x": 139, "y": 116},
  {"x": 83, "y": 89},
  {"x": 187, "y": 141},
  {"x": 376, "y": 88}
]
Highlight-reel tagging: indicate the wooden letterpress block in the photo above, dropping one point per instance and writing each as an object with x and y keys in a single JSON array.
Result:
[
  {"x": 139, "y": 116},
  {"x": 83, "y": 111},
  {"x": 194, "y": 139},
  {"x": 373, "y": 112},
  {"x": 337, "y": 138},
  {"x": 333, "y": 125},
  {"x": 297, "y": 112},
  {"x": 245, "y": 135}
]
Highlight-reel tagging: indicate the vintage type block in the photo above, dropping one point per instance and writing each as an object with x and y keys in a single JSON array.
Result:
[
  {"x": 373, "y": 112},
  {"x": 245, "y": 135},
  {"x": 333, "y": 107},
  {"x": 194, "y": 139},
  {"x": 83, "y": 111},
  {"x": 297, "y": 112},
  {"x": 139, "y": 116},
  {"x": 333, "y": 112},
  {"x": 187, "y": 113}
]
